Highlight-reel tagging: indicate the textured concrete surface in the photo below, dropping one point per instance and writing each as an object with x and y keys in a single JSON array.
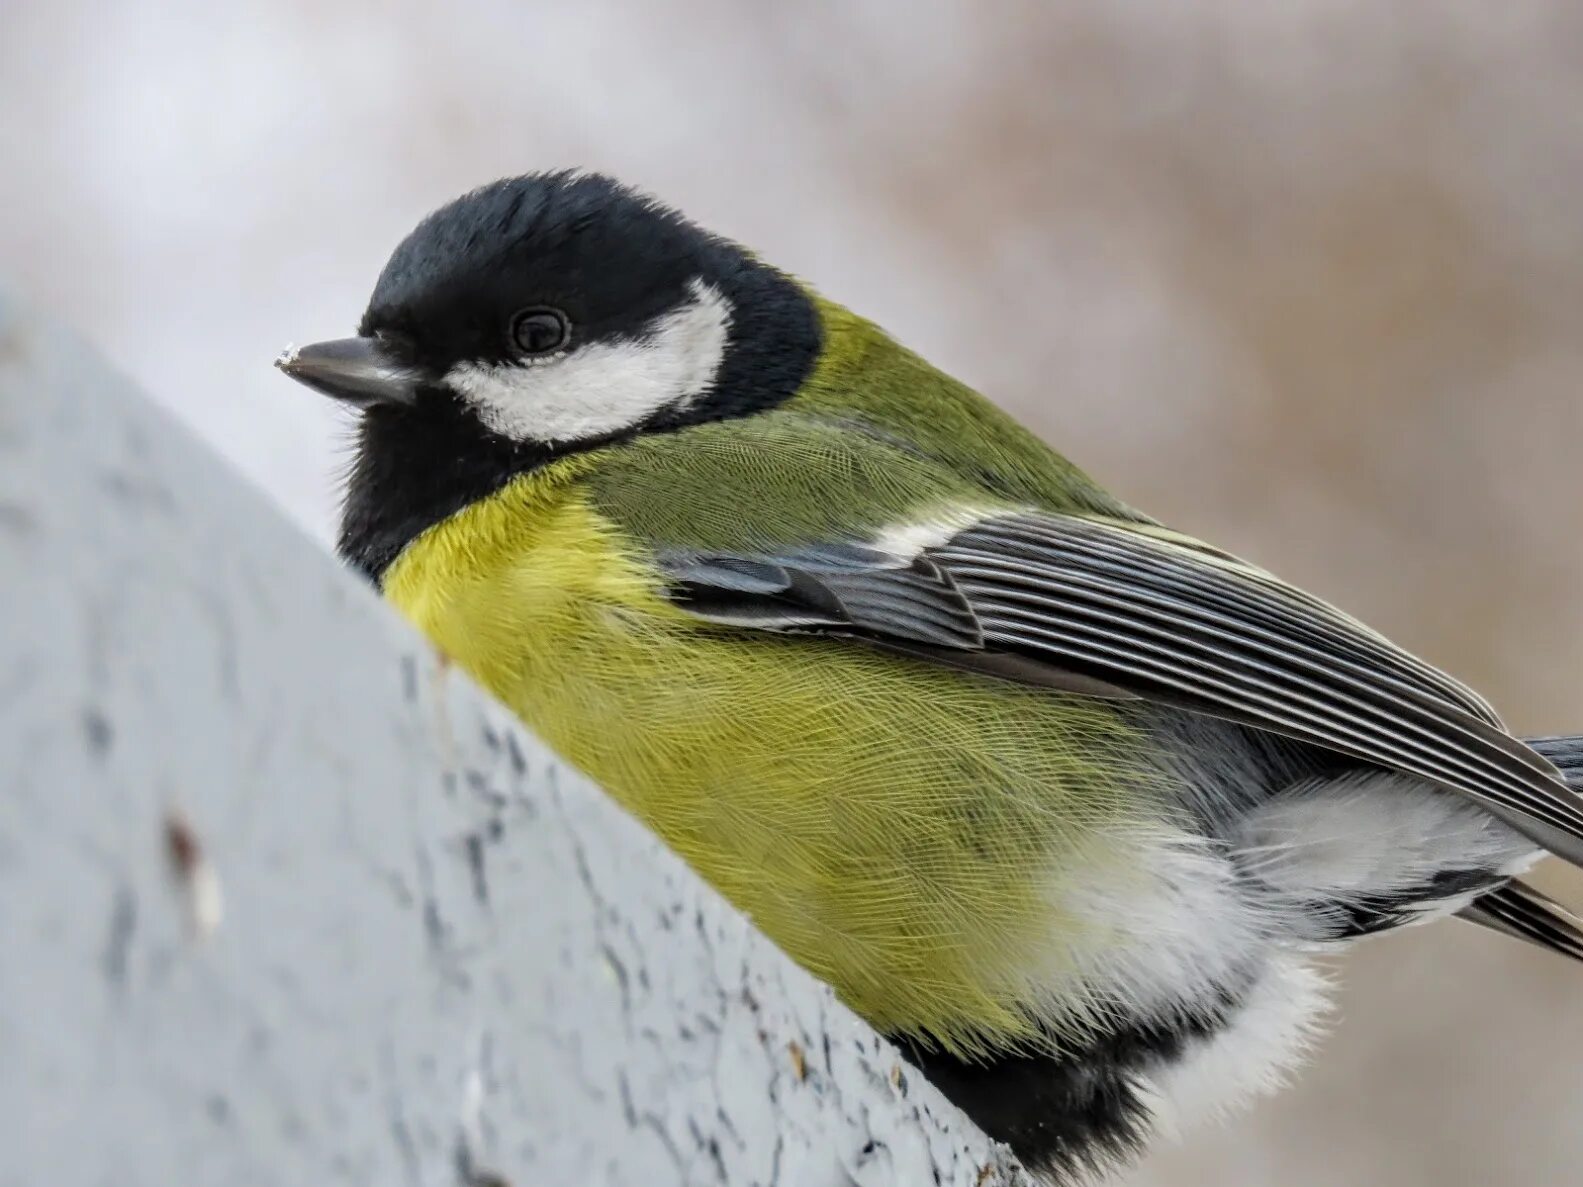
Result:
[{"x": 286, "y": 902}]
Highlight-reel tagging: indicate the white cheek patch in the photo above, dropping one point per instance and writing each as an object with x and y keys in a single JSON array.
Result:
[{"x": 602, "y": 388}]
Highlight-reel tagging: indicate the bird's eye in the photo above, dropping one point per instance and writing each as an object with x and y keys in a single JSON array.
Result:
[{"x": 540, "y": 330}]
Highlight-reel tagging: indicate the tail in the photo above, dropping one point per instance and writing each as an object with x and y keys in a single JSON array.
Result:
[
  {"x": 1566, "y": 754},
  {"x": 1517, "y": 909}
]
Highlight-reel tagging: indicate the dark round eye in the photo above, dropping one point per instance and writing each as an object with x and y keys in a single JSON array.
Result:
[{"x": 540, "y": 330}]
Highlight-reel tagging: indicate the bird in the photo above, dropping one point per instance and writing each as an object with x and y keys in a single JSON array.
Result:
[{"x": 1064, "y": 802}]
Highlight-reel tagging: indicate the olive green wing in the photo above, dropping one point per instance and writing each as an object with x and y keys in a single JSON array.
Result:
[{"x": 1127, "y": 609}]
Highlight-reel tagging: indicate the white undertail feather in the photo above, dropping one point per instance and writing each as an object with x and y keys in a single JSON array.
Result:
[
  {"x": 599, "y": 388},
  {"x": 1268, "y": 1039},
  {"x": 1167, "y": 932},
  {"x": 1371, "y": 834}
]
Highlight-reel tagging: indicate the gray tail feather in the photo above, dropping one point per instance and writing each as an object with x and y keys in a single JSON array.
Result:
[
  {"x": 1517, "y": 909},
  {"x": 1566, "y": 753}
]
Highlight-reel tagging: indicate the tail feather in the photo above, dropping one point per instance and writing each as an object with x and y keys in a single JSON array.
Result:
[
  {"x": 1517, "y": 909},
  {"x": 1565, "y": 752}
]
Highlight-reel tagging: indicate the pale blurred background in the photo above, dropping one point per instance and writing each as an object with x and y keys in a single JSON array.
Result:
[{"x": 1304, "y": 278}]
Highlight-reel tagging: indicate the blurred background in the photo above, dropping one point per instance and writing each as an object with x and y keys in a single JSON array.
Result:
[{"x": 1305, "y": 279}]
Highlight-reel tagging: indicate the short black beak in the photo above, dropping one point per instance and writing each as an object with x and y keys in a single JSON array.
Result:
[{"x": 360, "y": 371}]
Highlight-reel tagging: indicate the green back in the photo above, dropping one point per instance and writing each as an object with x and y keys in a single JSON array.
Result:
[{"x": 876, "y": 437}]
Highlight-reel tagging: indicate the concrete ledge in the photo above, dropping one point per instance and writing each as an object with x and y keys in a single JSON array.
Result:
[{"x": 286, "y": 902}]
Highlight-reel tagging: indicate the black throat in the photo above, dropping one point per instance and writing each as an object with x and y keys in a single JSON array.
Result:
[{"x": 417, "y": 466}]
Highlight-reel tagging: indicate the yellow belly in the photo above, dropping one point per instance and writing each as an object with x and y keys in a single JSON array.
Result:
[{"x": 903, "y": 831}]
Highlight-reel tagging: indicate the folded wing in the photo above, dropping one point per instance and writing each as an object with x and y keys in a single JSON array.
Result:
[{"x": 1116, "y": 609}]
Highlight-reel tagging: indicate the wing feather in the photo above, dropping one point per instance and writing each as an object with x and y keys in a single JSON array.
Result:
[
  {"x": 1185, "y": 569},
  {"x": 1139, "y": 612}
]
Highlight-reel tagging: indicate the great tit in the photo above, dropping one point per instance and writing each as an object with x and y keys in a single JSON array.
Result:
[{"x": 1060, "y": 799}]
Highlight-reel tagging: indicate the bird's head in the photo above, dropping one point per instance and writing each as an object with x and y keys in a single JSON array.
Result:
[{"x": 538, "y": 316}]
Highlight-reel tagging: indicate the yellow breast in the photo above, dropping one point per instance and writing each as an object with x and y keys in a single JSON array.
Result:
[{"x": 904, "y": 831}]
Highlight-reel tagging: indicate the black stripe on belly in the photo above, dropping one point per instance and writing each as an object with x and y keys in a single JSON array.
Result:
[{"x": 1073, "y": 1112}]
